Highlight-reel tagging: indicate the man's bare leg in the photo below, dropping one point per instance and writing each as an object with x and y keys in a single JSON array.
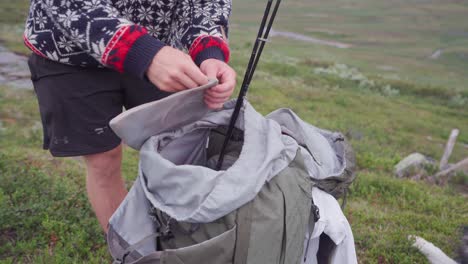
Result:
[{"x": 104, "y": 183}]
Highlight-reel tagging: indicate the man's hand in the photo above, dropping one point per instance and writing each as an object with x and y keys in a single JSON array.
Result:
[
  {"x": 216, "y": 69},
  {"x": 172, "y": 70}
]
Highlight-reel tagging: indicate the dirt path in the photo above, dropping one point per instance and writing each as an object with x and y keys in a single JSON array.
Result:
[
  {"x": 14, "y": 71},
  {"x": 300, "y": 37}
]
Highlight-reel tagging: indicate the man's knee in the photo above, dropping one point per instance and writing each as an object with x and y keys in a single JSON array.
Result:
[{"x": 104, "y": 165}]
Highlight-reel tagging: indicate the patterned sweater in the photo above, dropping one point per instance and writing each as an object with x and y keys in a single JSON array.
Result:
[{"x": 126, "y": 34}]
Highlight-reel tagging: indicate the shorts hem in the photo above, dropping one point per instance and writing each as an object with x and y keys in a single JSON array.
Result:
[{"x": 63, "y": 154}]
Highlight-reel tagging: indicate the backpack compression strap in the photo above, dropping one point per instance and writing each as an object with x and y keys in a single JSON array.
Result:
[
  {"x": 133, "y": 247},
  {"x": 244, "y": 224}
]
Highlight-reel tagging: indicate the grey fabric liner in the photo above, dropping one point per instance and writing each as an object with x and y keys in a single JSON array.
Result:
[{"x": 195, "y": 193}]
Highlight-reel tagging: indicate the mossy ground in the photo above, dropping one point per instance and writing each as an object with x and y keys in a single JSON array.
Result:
[{"x": 45, "y": 216}]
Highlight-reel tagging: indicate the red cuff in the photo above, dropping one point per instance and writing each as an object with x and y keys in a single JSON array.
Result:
[
  {"x": 31, "y": 47},
  {"x": 206, "y": 41},
  {"x": 118, "y": 47}
]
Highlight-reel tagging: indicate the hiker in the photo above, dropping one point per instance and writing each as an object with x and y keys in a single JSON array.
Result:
[{"x": 93, "y": 57}]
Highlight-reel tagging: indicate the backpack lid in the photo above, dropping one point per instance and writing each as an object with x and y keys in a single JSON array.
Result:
[{"x": 136, "y": 125}]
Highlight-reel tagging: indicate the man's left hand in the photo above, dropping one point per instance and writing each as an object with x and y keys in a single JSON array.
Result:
[{"x": 215, "y": 97}]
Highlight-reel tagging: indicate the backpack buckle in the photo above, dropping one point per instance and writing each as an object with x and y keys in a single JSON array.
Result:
[{"x": 167, "y": 232}]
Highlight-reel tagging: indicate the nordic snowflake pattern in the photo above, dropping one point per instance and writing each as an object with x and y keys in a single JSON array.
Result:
[{"x": 79, "y": 32}]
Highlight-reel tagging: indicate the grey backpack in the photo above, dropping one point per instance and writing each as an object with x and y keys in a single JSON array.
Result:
[{"x": 256, "y": 209}]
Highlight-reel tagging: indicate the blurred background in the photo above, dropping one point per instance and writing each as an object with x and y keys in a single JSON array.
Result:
[{"x": 390, "y": 74}]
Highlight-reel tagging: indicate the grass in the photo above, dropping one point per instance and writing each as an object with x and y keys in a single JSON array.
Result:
[
  {"x": 45, "y": 216},
  {"x": 397, "y": 35},
  {"x": 44, "y": 213},
  {"x": 12, "y": 17}
]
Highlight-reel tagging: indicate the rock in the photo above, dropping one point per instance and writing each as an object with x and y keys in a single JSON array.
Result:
[
  {"x": 412, "y": 164},
  {"x": 14, "y": 70},
  {"x": 9, "y": 58}
]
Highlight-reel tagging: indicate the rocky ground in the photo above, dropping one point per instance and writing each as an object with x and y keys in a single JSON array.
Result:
[{"x": 14, "y": 71}]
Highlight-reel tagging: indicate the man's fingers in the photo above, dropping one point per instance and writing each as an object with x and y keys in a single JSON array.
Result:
[
  {"x": 211, "y": 71},
  {"x": 223, "y": 87},
  {"x": 228, "y": 77},
  {"x": 216, "y": 100},
  {"x": 225, "y": 93},
  {"x": 215, "y": 97},
  {"x": 194, "y": 73},
  {"x": 186, "y": 81},
  {"x": 175, "y": 86},
  {"x": 212, "y": 104}
]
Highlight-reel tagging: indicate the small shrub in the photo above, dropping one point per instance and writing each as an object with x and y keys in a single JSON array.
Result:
[
  {"x": 458, "y": 100},
  {"x": 387, "y": 90},
  {"x": 350, "y": 74}
]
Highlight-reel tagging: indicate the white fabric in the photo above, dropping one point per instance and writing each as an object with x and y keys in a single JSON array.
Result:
[{"x": 333, "y": 223}]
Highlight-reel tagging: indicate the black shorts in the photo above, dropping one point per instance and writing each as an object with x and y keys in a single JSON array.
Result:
[{"x": 76, "y": 105}]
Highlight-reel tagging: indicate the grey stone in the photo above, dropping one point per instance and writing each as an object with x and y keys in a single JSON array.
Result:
[
  {"x": 412, "y": 164},
  {"x": 13, "y": 67},
  {"x": 9, "y": 58},
  {"x": 14, "y": 70}
]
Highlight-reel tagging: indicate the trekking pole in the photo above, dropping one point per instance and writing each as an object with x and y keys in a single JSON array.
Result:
[{"x": 254, "y": 58}]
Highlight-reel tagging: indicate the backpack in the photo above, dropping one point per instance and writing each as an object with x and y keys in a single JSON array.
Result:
[{"x": 256, "y": 209}]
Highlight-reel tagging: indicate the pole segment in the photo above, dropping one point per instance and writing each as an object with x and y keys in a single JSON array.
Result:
[{"x": 253, "y": 61}]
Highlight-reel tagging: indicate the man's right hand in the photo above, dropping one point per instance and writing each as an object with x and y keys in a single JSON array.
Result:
[{"x": 172, "y": 70}]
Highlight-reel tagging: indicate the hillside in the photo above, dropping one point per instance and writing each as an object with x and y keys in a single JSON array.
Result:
[{"x": 384, "y": 91}]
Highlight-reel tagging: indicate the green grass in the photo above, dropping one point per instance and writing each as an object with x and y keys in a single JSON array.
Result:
[
  {"x": 44, "y": 213},
  {"x": 399, "y": 35},
  {"x": 12, "y": 18}
]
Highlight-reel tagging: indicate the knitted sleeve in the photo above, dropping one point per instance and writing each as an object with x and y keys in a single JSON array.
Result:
[
  {"x": 97, "y": 28},
  {"x": 203, "y": 27}
]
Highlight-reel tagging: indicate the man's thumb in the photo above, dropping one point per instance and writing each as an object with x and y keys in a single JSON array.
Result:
[{"x": 211, "y": 71}]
